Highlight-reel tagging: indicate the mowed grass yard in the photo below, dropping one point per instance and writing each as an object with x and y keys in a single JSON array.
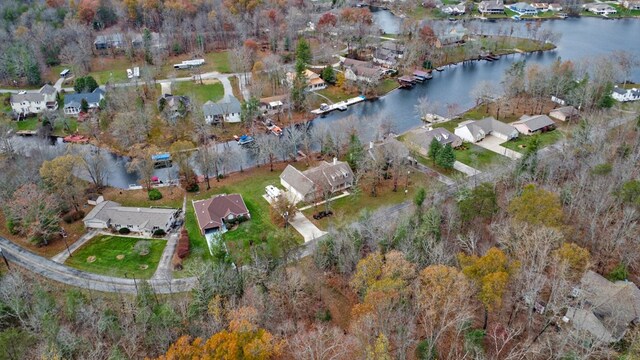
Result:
[
  {"x": 546, "y": 139},
  {"x": 251, "y": 185},
  {"x": 106, "y": 249},
  {"x": 478, "y": 157},
  {"x": 201, "y": 92}
]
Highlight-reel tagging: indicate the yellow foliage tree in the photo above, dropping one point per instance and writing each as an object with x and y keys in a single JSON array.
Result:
[
  {"x": 490, "y": 273},
  {"x": 576, "y": 258},
  {"x": 367, "y": 272},
  {"x": 242, "y": 341},
  {"x": 340, "y": 80},
  {"x": 59, "y": 176},
  {"x": 537, "y": 207},
  {"x": 380, "y": 351}
]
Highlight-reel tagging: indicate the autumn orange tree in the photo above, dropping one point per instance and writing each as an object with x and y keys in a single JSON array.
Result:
[
  {"x": 490, "y": 273},
  {"x": 242, "y": 340}
]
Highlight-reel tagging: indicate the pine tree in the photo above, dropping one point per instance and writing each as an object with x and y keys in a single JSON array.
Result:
[
  {"x": 303, "y": 52},
  {"x": 328, "y": 74},
  {"x": 446, "y": 157},
  {"x": 434, "y": 150},
  {"x": 356, "y": 152}
]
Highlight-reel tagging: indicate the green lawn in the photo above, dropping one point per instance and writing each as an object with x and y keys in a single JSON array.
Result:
[
  {"x": 478, "y": 157},
  {"x": 386, "y": 85},
  {"x": 257, "y": 230},
  {"x": 219, "y": 61},
  {"x": 28, "y": 124},
  {"x": 336, "y": 94},
  {"x": 201, "y": 92},
  {"x": 546, "y": 139},
  {"x": 452, "y": 173},
  {"x": 106, "y": 248}
]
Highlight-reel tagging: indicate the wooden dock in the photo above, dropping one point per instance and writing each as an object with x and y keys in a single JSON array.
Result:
[
  {"x": 339, "y": 105},
  {"x": 27, "y": 132}
]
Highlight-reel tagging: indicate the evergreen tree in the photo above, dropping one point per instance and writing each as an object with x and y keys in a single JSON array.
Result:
[
  {"x": 303, "y": 52},
  {"x": 33, "y": 74},
  {"x": 356, "y": 152},
  {"x": 328, "y": 74},
  {"x": 446, "y": 157},
  {"x": 434, "y": 150},
  {"x": 84, "y": 106},
  {"x": 90, "y": 83},
  {"x": 298, "y": 95},
  {"x": 79, "y": 85}
]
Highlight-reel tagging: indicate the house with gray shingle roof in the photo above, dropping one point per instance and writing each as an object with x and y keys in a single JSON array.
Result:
[
  {"x": 318, "y": 182},
  {"x": 529, "y": 125},
  {"x": 604, "y": 309},
  {"x": 34, "y": 102},
  {"x": 110, "y": 215},
  {"x": 474, "y": 131},
  {"x": 422, "y": 138},
  {"x": 73, "y": 102},
  {"x": 228, "y": 110}
]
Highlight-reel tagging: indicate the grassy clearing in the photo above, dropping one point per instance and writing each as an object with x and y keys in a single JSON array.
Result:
[
  {"x": 201, "y": 92},
  {"x": 546, "y": 139},
  {"x": 337, "y": 94},
  {"x": 107, "y": 248},
  {"x": 452, "y": 173},
  {"x": 171, "y": 197},
  {"x": 478, "y": 157},
  {"x": 28, "y": 124},
  {"x": 386, "y": 85},
  {"x": 349, "y": 208}
]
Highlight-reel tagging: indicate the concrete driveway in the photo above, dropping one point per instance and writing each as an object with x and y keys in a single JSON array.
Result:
[
  {"x": 305, "y": 227},
  {"x": 492, "y": 143}
]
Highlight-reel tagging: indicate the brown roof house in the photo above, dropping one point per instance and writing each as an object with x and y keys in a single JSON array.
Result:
[
  {"x": 604, "y": 309},
  {"x": 213, "y": 214},
  {"x": 318, "y": 182},
  {"x": 529, "y": 125}
]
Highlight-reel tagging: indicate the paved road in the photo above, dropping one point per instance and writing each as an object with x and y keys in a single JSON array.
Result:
[{"x": 64, "y": 274}]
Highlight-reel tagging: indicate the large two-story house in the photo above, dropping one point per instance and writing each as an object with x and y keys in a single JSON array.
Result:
[
  {"x": 25, "y": 102},
  {"x": 73, "y": 102},
  {"x": 318, "y": 182}
]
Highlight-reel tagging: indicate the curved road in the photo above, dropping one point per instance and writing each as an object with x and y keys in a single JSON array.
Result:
[{"x": 17, "y": 255}]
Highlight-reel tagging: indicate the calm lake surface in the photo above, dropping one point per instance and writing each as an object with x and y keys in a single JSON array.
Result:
[{"x": 580, "y": 39}]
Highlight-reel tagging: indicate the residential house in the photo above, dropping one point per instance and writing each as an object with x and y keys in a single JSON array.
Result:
[
  {"x": 25, "y": 102},
  {"x": 631, "y": 4},
  {"x": 454, "y": 10},
  {"x": 624, "y": 95},
  {"x": 357, "y": 70},
  {"x": 388, "y": 53},
  {"x": 542, "y": 7},
  {"x": 110, "y": 215},
  {"x": 73, "y": 102},
  {"x": 600, "y": 8},
  {"x": 488, "y": 7},
  {"x": 555, "y": 7},
  {"x": 524, "y": 8},
  {"x": 108, "y": 41},
  {"x": 474, "y": 131},
  {"x": 422, "y": 138},
  {"x": 565, "y": 113},
  {"x": 318, "y": 182},
  {"x": 604, "y": 309},
  {"x": 314, "y": 82},
  {"x": 174, "y": 106},
  {"x": 272, "y": 103},
  {"x": 137, "y": 41},
  {"x": 228, "y": 110},
  {"x": 213, "y": 214},
  {"x": 529, "y": 125},
  {"x": 456, "y": 36},
  {"x": 389, "y": 150}
]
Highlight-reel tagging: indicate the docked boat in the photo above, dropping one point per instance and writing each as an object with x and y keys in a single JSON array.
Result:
[
  {"x": 342, "y": 107},
  {"x": 406, "y": 81},
  {"x": 440, "y": 68},
  {"x": 421, "y": 75},
  {"x": 245, "y": 139},
  {"x": 276, "y": 131},
  {"x": 161, "y": 160}
]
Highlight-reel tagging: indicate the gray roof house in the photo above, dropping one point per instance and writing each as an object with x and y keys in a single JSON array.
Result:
[
  {"x": 491, "y": 7},
  {"x": 34, "y": 102},
  {"x": 565, "y": 113},
  {"x": 315, "y": 183},
  {"x": 388, "y": 149},
  {"x": 529, "y": 125},
  {"x": 421, "y": 138},
  {"x": 115, "y": 40},
  {"x": 474, "y": 131},
  {"x": 73, "y": 102},
  {"x": 228, "y": 109},
  {"x": 603, "y": 308},
  {"x": 110, "y": 215}
]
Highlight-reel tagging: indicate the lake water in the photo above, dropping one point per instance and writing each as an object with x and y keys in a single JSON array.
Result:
[{"x": 580, "y": 39}]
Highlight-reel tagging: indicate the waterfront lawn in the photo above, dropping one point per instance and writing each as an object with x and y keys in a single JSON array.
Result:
[
  {"x": 478, "y": 157},
  {"x": 106, "y": 248},
  {"x": 336, "y": 94},
  {"x": 201, "y": 92},
  {"x": 349, "y": 208},
  {"x": 624, "y": 12},
  {"x": 386, "y": 86},
  {"x": 28, "y": 124},
  {"x": 546, "y": 139}
]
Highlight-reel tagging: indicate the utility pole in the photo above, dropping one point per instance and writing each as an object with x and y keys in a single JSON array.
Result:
[{"x": 5, "y": 260}]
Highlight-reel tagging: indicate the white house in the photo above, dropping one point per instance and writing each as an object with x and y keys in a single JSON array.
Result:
[
  {"x": 228, "y": 110},
  {"x": 524, "y": 8},
  {"x": 474, "y": 131},
  {"x": 318, "y": 182},
  {"x": 314, "y": 82},
  {"x": 555, "y": 7},
  {"x": 110, "y": 215},
  {"x": 491, "y": 7},
  {"x": 459, "y": 9},
  {"x": 600, "y": 8},
  {"x": 624, "y": 95},
  {"x": 25, "y": 103},
  {"x": 73, "y": 102},
  {"x": 631, "y": 4}
]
